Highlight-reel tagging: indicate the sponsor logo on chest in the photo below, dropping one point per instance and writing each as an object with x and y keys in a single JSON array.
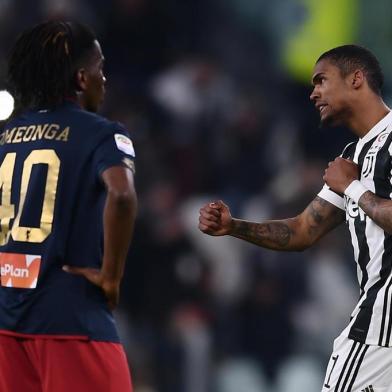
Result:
[{"x": 353, "y": 211}]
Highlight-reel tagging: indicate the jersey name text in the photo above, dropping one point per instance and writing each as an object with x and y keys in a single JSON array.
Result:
[{"x": 34, "y": 132}]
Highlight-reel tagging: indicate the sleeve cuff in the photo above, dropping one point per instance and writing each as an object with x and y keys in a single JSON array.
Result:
[
  {"x": 332, "y": 197},
  {"x": 355, "y": 190}
]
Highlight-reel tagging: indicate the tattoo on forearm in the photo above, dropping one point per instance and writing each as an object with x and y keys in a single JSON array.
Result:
[
  {"x": 274, "y": 235},
  {"x": 291, "y": 234},
  {"x": 368, "y": 202},
  {"x": 321, "y": 217},
  {"x": 315, "y": 217},
  {"x": 316, "y": 207},
  {"x": 377, "y": 209}
]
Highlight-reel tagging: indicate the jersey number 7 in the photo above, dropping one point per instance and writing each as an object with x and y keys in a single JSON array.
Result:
[{"x": 7, "y": 210}]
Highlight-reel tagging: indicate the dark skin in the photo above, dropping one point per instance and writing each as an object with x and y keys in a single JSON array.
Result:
[
  {"x": 350, "y": 101},
  {"x": 118, "y": 220},
  {"x": 341, "y": 100},
  {"x": 91, "y": 80},
  {"x": 339, "y": 175},
  {"x": 121, "y": 201},
  {"x": 293, "y": 234}
]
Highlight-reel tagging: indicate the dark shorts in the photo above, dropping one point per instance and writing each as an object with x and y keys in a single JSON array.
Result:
[{"x": 62, "y": 365}]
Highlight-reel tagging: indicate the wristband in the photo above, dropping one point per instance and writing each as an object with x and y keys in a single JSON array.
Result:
[{"x": 355, "y": 190}]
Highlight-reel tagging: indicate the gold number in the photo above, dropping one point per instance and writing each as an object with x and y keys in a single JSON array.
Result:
[
  {"x": 7, "y": 210},
  {"x": 22, "y": 233}
]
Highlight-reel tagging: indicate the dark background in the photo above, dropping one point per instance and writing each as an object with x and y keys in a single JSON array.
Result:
[{"x": 216, "y": 97}]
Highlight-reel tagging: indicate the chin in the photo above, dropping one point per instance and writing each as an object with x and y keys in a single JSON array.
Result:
[{"x": 330, "y": 121}]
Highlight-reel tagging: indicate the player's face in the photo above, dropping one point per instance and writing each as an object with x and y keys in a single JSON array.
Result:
[
  {"x": 331, "y": 93},
  {"x": 94, "y": 80}
]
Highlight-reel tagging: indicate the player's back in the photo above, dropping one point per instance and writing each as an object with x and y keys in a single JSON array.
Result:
[{"x": 52, "y": 199}]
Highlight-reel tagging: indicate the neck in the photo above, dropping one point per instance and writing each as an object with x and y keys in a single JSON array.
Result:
[{"x": 367, "y": 115}]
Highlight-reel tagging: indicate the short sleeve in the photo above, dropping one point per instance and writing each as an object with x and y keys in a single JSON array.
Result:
[
  {"x": 332, "y": 197},
  {"x": 116, "y": 149}
]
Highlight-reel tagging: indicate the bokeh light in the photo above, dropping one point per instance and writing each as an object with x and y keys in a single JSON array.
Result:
[{"x": 6, "y": 104}]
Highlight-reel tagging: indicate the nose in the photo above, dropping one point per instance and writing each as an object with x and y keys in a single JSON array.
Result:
[{"x": 314, "y": 94}]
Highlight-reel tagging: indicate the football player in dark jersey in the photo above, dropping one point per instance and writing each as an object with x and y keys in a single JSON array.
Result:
[{"x": 67, "y": 212}]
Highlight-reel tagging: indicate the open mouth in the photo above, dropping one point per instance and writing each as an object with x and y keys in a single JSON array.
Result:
[{"x": 322, "y": 108}]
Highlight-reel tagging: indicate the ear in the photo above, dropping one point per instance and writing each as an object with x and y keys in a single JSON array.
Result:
[
  {"x": 81, "y": 79},
  {"x": 357, "y": 78}
]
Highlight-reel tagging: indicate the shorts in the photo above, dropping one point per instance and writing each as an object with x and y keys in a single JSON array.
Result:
[
  {"x": 62, "y": 365},
  {"x": 358, "y": 367}
]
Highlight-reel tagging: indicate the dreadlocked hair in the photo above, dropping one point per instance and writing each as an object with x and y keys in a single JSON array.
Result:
[{"x": 43, "y": 63}]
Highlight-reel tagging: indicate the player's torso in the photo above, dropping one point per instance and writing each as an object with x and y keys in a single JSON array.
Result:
[
  {"x": 49, "y": 216},
  {"x": 374, "y": 165},
  {"x": 372, "y": 246}
]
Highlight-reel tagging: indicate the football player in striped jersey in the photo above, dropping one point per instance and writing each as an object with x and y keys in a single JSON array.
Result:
[{"x": 347, "y": 83}]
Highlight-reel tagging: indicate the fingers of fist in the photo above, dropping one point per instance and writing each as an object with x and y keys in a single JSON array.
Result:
[
  {"x": 209, "y": 219},
  {"x": 208, "y": 222}
]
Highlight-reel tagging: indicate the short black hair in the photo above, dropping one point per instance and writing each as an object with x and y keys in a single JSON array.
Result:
[
  {"x": 43, "y": 62},
  {"x": 348, "y": 58}
]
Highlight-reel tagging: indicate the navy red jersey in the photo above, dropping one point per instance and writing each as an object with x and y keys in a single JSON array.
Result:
[{"x": 51, "y": 214}]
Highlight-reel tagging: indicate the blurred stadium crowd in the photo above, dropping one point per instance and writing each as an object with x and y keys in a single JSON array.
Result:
[{"x": 214, "y": 114}]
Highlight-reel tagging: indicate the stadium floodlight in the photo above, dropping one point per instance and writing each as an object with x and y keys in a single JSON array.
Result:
[{"x": 6, "y": 104}]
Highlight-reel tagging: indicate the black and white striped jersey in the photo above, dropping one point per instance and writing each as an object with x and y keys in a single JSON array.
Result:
[{"x": 371, "y": 320}]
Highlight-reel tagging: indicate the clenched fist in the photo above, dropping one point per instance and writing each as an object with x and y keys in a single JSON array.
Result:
[
  {"x": 215, "y": 219},
  {"x": 340, "y": 174}
]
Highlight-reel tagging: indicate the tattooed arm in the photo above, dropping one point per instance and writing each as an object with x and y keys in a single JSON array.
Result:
[
  {"x": 288, "y": 234},
  {"x": 340, "y": 174},
  {"x": 377, "y": 209}
]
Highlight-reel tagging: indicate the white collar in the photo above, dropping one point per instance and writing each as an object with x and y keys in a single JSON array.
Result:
[{"x": 379, "y": 127}]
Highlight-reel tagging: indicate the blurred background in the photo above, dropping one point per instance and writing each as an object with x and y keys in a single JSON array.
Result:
[{"x": 215, "y": 94}]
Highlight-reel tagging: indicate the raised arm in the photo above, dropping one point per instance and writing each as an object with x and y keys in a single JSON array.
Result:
[{"x": 291, "y": 234}]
